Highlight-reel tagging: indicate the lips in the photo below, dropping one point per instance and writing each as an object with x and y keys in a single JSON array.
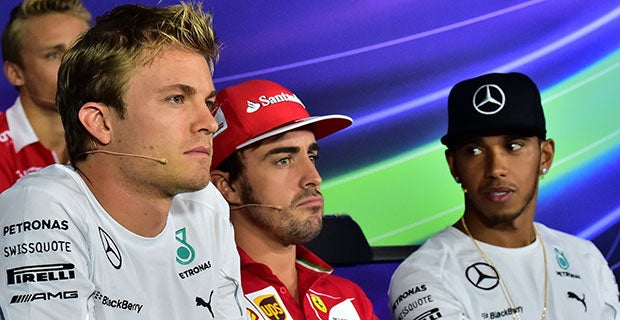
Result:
[
  {"x": 311, "y": 201},
  {"x": 498, "y": 194},
  {"x": 206, "y": 151}
]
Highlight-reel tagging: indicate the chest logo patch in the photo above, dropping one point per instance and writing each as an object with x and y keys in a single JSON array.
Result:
[
  {"x": 270, "y": 307},
  {"x": 482, "y": 276},
  {"x": 185, "y": 253},
  {"x": 561, "y": 259},
  {"x": 111, "y": 249},
  {"x": 318, "y": 303}
]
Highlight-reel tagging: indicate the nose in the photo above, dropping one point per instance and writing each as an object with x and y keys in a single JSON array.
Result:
[
  {"x": 205, "y": 120},
  {"x": 495, "y": 164},
  {"x": 311, "y": 177}
]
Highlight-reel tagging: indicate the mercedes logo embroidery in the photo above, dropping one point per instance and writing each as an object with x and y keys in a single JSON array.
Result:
[
  {"x": 489, "y": 99},
  {"x": 110, "y": 249},
  {"x": 482, "y": 275}
]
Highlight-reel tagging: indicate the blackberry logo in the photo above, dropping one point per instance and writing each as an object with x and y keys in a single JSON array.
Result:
[{"x": 117, "y": 303}]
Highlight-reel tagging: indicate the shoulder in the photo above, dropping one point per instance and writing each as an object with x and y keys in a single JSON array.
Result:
[
  {"x": 438, "y": 259},
  {"x": 562, "y": 239},
  {"x": 52, "y": 189},
  {"x": 5, "y": 133},
  {"x": 434, "y": 252},
  {"x": 572, "y": 249},
  {"x": 54, "y": 181},
  {"x": 4, "y": 125},
  {"x": 208, "y": 201}
]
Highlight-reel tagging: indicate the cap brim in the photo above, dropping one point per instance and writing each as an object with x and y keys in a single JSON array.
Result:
[{"x": 322, "y": 126}]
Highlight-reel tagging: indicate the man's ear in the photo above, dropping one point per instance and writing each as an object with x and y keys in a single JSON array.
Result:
[
  {"x": 220, "y": 180},
  {"x": 14, "y": 74},
  {"x": 547, "y": 149},
  {"x": 96, "y": 118},
  {"x": 450, "y": 160}
]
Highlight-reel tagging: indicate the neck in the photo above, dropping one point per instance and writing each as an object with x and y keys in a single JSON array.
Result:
[
  {"x": 47, "y": 125},
  {"x": 266, "y": 250},
  {"x": 140, "y": 212},
  {"x": 514, "y": 234},
  {"x": 503, "y": 285}
]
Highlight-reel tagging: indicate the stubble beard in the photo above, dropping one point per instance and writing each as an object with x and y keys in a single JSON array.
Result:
[
  {"x": 289, "y": 225},
  {"x": 493, "y": 218}
]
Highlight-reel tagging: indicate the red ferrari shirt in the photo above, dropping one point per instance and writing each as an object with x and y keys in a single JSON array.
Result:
[
  {"x": 20, "y": 149},
  {"x": 323, "y": 295}
]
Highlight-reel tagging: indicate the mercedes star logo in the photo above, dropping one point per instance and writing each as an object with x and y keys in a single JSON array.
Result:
[
  {"x": 110, "y": 249},
  {"x": 489, "y": 99},
  {"x": 482, "y": 275}
]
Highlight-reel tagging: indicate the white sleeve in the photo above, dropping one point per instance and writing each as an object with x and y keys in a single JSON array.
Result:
[
  {"x": 609, "y": 287},
  {"x": 417, "y": 292},
  {"x": 44, "y": 269},
  {"x": 230, "y": 293},
  {"x": 229, "y": 296}
]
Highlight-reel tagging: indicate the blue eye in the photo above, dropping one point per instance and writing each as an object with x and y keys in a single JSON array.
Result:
[
  {"x": 53, "y": 55},
  {"x": 178, "y": 99}
]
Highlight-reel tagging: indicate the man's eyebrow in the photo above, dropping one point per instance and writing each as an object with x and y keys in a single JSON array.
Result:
[
  {"x": 187, "y": 90},
  {"x": 212, "y": 95},
  {"x": 314, "y": 147},
  {"x": 280, "y": 150},
  {"x": 58, "y": 47},
  {"x": 518, "y": 136}
]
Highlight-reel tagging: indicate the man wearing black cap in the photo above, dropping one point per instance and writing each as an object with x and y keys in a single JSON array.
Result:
[
  {"x": 264, "y": 155},
  {"x": 496, "y": 262}
]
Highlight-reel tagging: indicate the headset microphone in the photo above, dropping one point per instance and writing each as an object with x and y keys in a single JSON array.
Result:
[
  {"x": 160, "y": 160},
  {"x": 236, "y": 207}
]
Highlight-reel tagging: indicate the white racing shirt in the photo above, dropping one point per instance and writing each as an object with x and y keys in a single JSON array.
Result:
[
  {"x": 63, "y": 256},
  {"x": 447, "y": 278}
]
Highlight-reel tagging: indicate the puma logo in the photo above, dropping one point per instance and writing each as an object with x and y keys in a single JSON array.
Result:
[
  {"x": 572, "y": 295},
  {"x": 201, "y": 303}
]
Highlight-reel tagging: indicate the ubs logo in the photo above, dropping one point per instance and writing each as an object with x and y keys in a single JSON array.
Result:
[
  {"x": 482, "y": 276},
  {"x": 110, "y": 249},
  {"x": 270, "y": 307},
  {"x": 489, "y": 99}
]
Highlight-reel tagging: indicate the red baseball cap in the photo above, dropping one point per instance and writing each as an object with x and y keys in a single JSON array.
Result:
[{"x": 258, "y": 109}]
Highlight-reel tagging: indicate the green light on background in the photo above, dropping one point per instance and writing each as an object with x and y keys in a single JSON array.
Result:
[{"x": 406, "y": 199}]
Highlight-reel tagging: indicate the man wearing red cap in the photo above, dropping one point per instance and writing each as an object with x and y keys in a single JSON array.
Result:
[
  {"x": 496, "y": 262},
  {"x": 264, "y": 158}
]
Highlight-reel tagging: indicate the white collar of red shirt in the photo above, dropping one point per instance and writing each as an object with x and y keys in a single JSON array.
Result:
[{"x": 21, "y": 130}]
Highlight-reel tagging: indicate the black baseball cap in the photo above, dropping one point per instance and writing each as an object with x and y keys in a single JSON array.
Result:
[{"x": 494, "y": 104}]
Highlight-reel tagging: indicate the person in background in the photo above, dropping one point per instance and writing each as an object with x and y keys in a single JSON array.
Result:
[
  {"x": 121, "y": 234},
  {"x": 496, "y": 262},
  {"x": 33, "y": 42},
  {"x": 265, "y": 154}
]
